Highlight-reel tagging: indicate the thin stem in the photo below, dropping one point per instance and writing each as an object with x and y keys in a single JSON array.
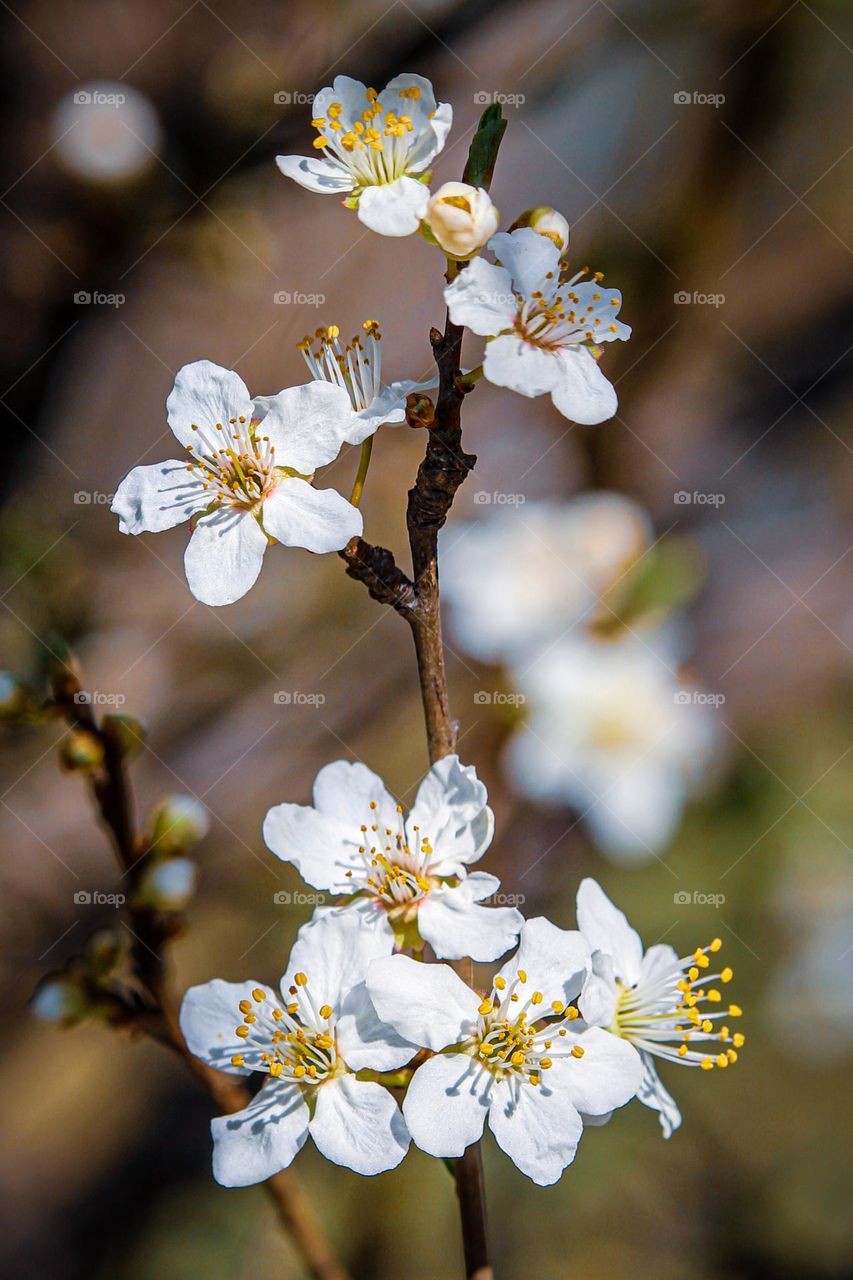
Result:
[{"x": 363, "y": 468}]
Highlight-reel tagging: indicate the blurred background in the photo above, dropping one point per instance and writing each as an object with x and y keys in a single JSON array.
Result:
[{"x": 701, "y": 152}]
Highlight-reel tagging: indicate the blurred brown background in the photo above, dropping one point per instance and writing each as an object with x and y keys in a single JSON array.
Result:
[{"x": 744, "y": 200}]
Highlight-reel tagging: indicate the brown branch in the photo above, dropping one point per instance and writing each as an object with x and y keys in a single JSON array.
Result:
[{"x": 378, "y": 570}]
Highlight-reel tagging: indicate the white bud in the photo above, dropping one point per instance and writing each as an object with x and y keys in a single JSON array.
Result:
[
  {"x": 168, "y": 886},
  {"x": 547, "y": 222},
  {"x": 58, "y": 999},
  {"x": 462, "y": 218}
]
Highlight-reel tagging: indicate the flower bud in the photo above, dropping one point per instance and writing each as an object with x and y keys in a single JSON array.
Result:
[
  {"x": 59, "y": 999},
  {"x": 547, "y": 222},
  {"x": 178, "y": 823},
  {"x": 461, "y": 218},
  {"x": 14, "y": 698},
  {"x": 167, "y": 886},
  {"x": 125, "y": 732},
  {"x": 81, "y": 750},
  {"x": 104, "y": 950}
]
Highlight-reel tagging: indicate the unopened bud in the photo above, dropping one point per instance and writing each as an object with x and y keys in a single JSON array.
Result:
[
  {"x": 167, "y": 886},
  {"x": 178, "y": 823},
  {"x": 59, "y": 999},
  {"x": 14, "y": 698},
  {"x": 125, "y": 732},
  {"x": 462, "y": 218},
  {"x": 82, "y": 750},
  {"x": 546, "y": 222},
  {"x": 420, "y": 411},
  {"x": 104, "y": 950}
]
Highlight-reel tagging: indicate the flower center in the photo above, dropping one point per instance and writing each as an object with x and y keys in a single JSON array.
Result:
[
  {"x": 356, "y": 367},
  {"x": 566, "y": 318},
  {"x": 394, "y": 872},
  {"x": 294, "y": 1043},
  {"x": 374, "y": 146},
  {"x": 234, "y": 464},
  {"x": 516, "y": 1037},
  {"x": 668, "y": 1012}
]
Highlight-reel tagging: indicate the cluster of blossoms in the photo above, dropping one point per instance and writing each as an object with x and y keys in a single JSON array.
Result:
[{"x": 568, "y": 1030}]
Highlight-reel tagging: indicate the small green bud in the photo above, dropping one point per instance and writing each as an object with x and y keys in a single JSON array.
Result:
[
  {"x": 547, "y": 222},
  {"x": 178, "y": 823},
  {"x": 81, "y": 750},
  {"x": 104, "y": 951},
  {"x": 125, "y": 732},
  {"x": 167, "y": 886},
  {"x": 15, "y": 700}
]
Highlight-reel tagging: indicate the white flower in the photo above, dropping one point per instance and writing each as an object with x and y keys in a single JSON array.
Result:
[
  {"x": 653, "y": 1001},
  {"x": 377, "y": 148},
  {"x": 522, "y": 576},
  {"x": 546, "y": 222},
  {"x": 310, "y": 1044},
  {"x": 514, "y": 1056},
  {"x": 462, "y": 218},
  {"x": 544, "y": 334},
  {"x": 357, "y": 367},
  {"x": 247, "y": 480},
  {"x": 405, "y": 875},
  {"x": 610, "y": 732}
]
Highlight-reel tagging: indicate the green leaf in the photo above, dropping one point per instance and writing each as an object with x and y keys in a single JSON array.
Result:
[{"x": 480, "y": 165}]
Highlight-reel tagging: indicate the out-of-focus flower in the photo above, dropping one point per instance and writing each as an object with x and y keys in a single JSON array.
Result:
[
  {"x": 547, "y": 222},
  {"x": 107, "y": 132},
  {"x": 167, "y": 886},
  {"x": 406, "y": 876},
  {"x": 523, "y": 575},
  {"x": 461, "y": 218},
  {"x": 514, "y": 1056},
  {"x": 543, "y": 335},
  {"x": 247, "y": 481},
  {"x": 357, "y": 367},
  {"x": 377, "y": 148},
  {"x": 611, "y": 732},
  {"x": 59, "y": 998},
  {"x": 309, "y": 1044},
  {"x": 662, "y": 1005},
  {"x": 178, "y": 823}
]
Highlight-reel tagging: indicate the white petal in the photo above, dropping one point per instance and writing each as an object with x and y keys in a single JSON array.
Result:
[
  {"x": 205, "y": 394},
  {"x": 555, "y": 961},
  {"x": 365, "y": 1041},
  {"x": 298, "y": 515},
  {"x": 209, "y": 1016},
  {"x": 224, "y": 556},
  {"x": 306, "y": 425},
  {"x": 659, "y": 960},
  {"x": 451, "y": 810},
  {"x": 606, "y": 1077},
  {"x": 253, "y": 1144},
  {"x": 316, "y": 173},
  {"x": 345, "y": 789},
  {"x": 334, "y": 951},
  {"x": 482, "y": 298},
  {"x": 358, "y": 1124},
  {"x": 446, "y": 1104},
  {"x": 321, "y": 848},
  {"x": 597, "y": 1001},
  {"x": 512, "y": 362},
  {"x": 426, "y": 1003},
  {"x": 350, "y": 93},
  {"x": 454, "y": 926},
  {"x": 529, "y": 258},
  {"x": 388, "y": 408},
  {"x": 537, "y": 1127},
  {"x": 606, "y": 929},
  {"x": 652, "y": 1094},
  {"x": 582, "y": 392},
  {"x": 394, "y": 209},
  {"x": 151, "y": 499}
]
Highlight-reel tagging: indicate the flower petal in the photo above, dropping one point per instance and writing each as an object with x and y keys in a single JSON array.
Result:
[
  {"x": 358, "y": 1124},
  {"x": 446, "y": 1104},
  {"x": 316, "y": 173},
  {"x": 652, "y": 1094},
  {"x": 554, "y": 960},
  {"x": 582, "y": 393},
  {"x": 597, "y": 1001},
  {"x": 363, "y": 1039},
  {"x": 253, "y": 1144},
  {"x": 321, "y": 520},
  {"x": 513, "y": 362},
  {"x": 209, "y": 1015},
  {"x": 454, "y": 926},
  {"x": 451, "y": 810},
  {"x": 205, "y": 394},
  {"x": 307, "y": 425},
  {"x": 321, "y": 848},
  {"x": 224, "y": 556},
  {"x": 334, "y": 951},
  {"x": 606, "y": 1077},
  {"x": 606, "y": 929},
  {"x": 151, "y": 499},
  {"x": 532, "y": 260},
  {"x": 346, "y": 789},
  {"x": 482, "y": 298},
  {"x": 426, "y": 1003},
  {"x": 537, "y": 1127},
  {"x": 394, "y": 209}
]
